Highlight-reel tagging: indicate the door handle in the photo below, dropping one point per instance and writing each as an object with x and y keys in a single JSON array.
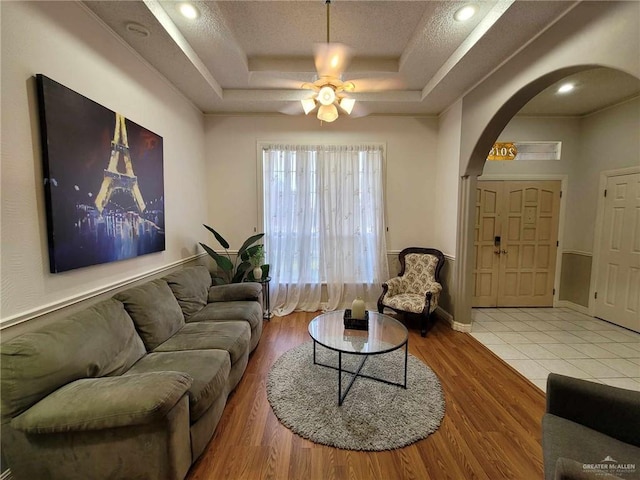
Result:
[
  {"x": 496, "y": 252},
  {"x": 504, "y": 251}
]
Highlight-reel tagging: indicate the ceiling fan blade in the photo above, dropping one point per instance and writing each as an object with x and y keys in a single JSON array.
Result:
[
  {"x": 359, "y": 110},
  {"x": 377, "y": 84},
  {"x": 274, "y": 80},
  {"x": 332, "y": 59}
]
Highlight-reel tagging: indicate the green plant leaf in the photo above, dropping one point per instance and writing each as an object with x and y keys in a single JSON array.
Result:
[
  {"x": 265, "y": 270},
  {"x": 240, "y": 272},
  {"x": 255, "y": 252},
  {"x": 212, "y": 253},
  {"x": 223, "y": 262},
  {"x": 219, "y": 237},
  {"x": 249, "y": 241}
]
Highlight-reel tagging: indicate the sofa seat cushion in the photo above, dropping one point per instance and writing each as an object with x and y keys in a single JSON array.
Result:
[
  {"x": 249, "y": 311},
  {"x": 107, "y": 402},
  {"x": 209, "y": 370},
  {"x": 190, "y": 286},
  {"x": 563, "y": 438},
  {"x": 410, "y": 302},
  {"x": 99, "y": 341},
  {"x": 154, "y": 310},
  {"x": 234, "y": 337}
]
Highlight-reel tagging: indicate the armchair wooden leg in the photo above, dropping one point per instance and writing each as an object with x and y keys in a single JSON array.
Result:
[{"x": 426, "y": 315}]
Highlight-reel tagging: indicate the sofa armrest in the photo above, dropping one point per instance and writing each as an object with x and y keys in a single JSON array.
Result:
[
  {"x": 235, "y": 291},
  {"x": 609, "y": 410},
  {"x": 105, "y": 402}
]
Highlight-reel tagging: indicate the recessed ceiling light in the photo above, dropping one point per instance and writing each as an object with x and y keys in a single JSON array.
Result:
[
  {"x": 566, "y": 88},
  {"x": 465, "y": 13},
  {"x": 189, "y": 11}
]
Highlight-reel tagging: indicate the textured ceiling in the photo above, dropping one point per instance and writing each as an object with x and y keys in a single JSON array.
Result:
[{"x": 410, "y": 57}]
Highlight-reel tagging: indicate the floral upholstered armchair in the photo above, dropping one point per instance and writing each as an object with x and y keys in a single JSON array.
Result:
[{"x": 416, "y": 288}]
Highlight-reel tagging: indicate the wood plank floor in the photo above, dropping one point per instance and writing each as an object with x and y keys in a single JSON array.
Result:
[{"x": 491, "y": 429}]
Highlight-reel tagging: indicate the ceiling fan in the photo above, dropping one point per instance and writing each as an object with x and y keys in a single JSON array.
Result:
[{"x": 331, "y": 60}]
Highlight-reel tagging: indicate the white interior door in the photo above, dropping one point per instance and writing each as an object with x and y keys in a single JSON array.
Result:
[{"x": 618, "y": 271}]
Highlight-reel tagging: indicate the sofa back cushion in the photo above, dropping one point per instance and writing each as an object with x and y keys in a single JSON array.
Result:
[
  {"x": 191, "y": 288},
  {"x": 154, "y": 310},
  {"x": 98, "y": 341}
]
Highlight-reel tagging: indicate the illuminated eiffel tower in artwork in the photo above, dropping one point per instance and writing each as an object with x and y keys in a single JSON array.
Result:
[{"x": 114, "y": 180}]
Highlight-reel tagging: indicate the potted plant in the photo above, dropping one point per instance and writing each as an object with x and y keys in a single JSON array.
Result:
[
  {"x": 229, "y": 271},
  {"x": 256, "y": 259}
]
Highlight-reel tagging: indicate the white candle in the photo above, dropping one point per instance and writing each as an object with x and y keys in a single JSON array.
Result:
[{"x": 358, "y": 309}]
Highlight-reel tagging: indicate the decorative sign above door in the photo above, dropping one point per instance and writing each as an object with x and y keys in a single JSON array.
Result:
[
  {"x": 525, "y": 151},
  {"x": 503, "y": 151}
]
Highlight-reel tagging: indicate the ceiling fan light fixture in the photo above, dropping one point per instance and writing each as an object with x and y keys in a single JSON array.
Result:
[
  {"x": 308, "y": 104},
  {"x": 326, "y": 95},
  {"x": 347, "y": 104},
  {"x": 327, "y": 113},
  {"x": 348, "y": 86}
]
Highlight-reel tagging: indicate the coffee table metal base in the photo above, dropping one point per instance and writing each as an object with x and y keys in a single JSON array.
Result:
[{"x": 356, "y": 374}]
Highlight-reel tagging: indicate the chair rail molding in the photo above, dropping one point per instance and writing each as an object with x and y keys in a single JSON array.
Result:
[{"x": 87, "y": 295}]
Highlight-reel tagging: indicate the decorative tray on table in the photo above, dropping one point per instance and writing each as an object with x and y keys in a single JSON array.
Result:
[{"x": 356, "y": 323}]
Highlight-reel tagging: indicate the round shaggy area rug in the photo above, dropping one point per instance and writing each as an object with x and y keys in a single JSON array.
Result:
[{"x": 374, "y": 416}]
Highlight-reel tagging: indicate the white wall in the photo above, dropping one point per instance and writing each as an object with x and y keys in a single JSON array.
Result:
[
  {"x": 609, "y": 140},
  {"x": 65, "y": 42},
  {"x": 444, "y": 221},
  {"x": 411, "y": 186}
]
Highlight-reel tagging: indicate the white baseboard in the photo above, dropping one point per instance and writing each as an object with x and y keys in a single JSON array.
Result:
[
  {"x": 572, "y": 306},
  {"x": 457, "y": 326}
]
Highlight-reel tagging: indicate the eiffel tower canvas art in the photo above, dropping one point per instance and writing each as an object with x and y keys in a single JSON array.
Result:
[{"x": 103, "y": 181}]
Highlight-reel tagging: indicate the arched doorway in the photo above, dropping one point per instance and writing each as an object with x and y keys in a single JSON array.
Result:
[{"x": 490, "y": 134}]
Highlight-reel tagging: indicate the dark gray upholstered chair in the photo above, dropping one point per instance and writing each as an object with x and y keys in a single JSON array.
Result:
[
  {"x": 590, "y": 430},
  {"x": 417, "y": 287}
]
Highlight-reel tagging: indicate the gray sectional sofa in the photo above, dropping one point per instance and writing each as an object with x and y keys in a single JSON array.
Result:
[
  {"x": 132, "y": 387},
  {"x": 590, "y": 431}
]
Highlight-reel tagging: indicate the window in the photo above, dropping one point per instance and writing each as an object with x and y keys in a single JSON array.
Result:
[{"x": 324, "y": 215}]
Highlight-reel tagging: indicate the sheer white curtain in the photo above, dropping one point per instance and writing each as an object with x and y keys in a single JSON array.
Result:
[{"x": 324, "y": 223}]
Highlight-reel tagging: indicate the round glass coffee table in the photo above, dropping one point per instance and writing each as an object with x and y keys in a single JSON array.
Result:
[{"x": 385, "y": 334}]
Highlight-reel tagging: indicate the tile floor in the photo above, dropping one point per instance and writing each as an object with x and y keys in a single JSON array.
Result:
[{"x": 537, "y": 341}]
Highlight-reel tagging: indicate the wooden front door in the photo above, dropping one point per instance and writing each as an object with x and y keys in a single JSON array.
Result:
[
  {"x": 618, "y": 278},
  {"x": 516, "y": 239}
]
